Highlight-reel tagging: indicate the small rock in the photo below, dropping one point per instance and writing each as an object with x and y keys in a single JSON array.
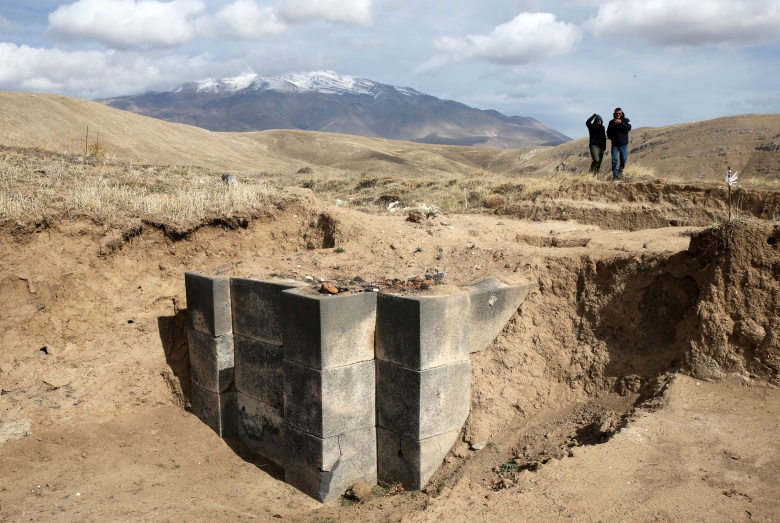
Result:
[
  {"x": 415, "y": 217},
  {"x": 360, "y": 491},
  {"x": 328, "y": 288},
  {"x": 478, "y": 446}
]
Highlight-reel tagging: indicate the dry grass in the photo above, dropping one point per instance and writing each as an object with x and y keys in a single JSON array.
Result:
[
  {"x": 477, "y": 191},
  {"x": 37, "y": 185},
  {"x": 40, "y": 185}
]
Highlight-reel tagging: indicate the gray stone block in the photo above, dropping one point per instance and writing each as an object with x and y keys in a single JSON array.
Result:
[
  {"x": 218, "y": 411},
  {"x": 328, "y": 402},
  {"x": 409, "y": 461},
  {"x": 492, "y": 305},
  {"x": 208, "y": 304},
  {"x": 325, "y": 332},
  {"x": 422, "y": 332},
  {"x": 422, "y": 404},
  {"x": 261, "y": 427},
  {"x": 325, "y": 468},
  {"x": 257, "y": 308},
  {"x": 211, "y": 360},
  {"x": 259, "y": 370}
]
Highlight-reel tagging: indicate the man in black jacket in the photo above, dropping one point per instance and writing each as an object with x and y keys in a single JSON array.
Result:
[
  {"x": 598, "y": 141},
  {"x": 617, "y": 132}
]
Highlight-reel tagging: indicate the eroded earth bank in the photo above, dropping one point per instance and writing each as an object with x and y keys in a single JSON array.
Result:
[{"x": 638, "y": 380}]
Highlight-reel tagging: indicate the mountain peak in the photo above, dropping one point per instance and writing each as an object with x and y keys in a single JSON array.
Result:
[{"x": 328, "y": 82}]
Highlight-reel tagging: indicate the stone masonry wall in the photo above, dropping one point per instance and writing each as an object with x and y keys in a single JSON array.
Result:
[{"x": 355, "y": 387}]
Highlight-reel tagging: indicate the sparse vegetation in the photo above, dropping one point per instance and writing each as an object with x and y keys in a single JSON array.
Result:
[{"x": 37, "y": 185}]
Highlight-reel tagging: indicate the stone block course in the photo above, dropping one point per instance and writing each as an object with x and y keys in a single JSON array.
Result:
[
  {"x": 328, "y": 402},
  {"x": 208, "y": 304},
  {"x": 324, "y": 468},
  {"x": 211, "y": 360},
  {"x": 218, "y": 411},
  {"x": 257, "y": 308},
  {"x": 325, "y": 332},
  {"x": 261, "y": 427},
  {"x": 258, "y": 370},
  {"x": 422, "y": 404},
  {"x": 422, "y": 332},
  {"x": 409, "y": 461},
  {"x": 492, "y": 305}
]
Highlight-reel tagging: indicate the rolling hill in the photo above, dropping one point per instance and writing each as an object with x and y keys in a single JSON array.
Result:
[{"x": 697, "y": 151}]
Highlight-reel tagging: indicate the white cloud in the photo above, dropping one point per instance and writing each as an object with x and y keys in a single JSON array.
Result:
[
  {"x": 679, "y": 23},
  {"x": 90, "y": 74},
  {"x": 529, "y": 37},
  {"x": 358, "y": 43},
  {"x": 4, "y": 23},
  {"x": 434, "y": 64},
  {"x": 356, "y": 12},
  {"x": 245, "y": 19},
  {"x": 124, "y": 24}
]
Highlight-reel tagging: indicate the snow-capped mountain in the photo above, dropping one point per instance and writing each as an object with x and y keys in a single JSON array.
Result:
[
  {"x": 331, "y": 102},
  {"x": 326, "y": 82}
]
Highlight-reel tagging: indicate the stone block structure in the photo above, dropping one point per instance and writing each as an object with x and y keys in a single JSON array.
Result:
[
  {"x": 210, "y": 337},
  {"x": 424, "y": 375},
  {"x": 492, "y": 304},
  {"x": 339, "y": 389},
  {"x": 329, "y": 391},
  {"x": 257, "y": 325}
]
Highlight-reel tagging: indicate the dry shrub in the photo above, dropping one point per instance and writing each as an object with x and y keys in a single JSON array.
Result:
[{"x": 494, "y": 201}]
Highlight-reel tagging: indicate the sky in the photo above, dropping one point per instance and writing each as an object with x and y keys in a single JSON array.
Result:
[{"x": 663, "y": 62}]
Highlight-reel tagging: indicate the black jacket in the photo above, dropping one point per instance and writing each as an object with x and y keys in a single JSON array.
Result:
[
  {"x": 618, "y": 133},
  {"x": 597, "y": 136}
]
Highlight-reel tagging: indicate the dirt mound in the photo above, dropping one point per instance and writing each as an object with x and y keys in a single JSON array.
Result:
[{"x": 94, "y": 367}]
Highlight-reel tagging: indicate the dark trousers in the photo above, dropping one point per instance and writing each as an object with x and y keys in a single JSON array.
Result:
[{"x": 597, "y": 154}]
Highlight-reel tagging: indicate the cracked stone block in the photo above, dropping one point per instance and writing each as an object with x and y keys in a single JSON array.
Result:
[
  {"x": 208, "y": 304},
  {"x": 422, "y": 404},
  {"x": 257, "y": 308},
  {"x": 261, "y": 427},
  {"x": 211, "y": 360},
  {"x": 493, "y": 304},
  {"x": 325, "y": 332},
  {"x": 218, "y": 411},
  {"x": 325, "y": 468},
  {"x": 409, "y": 461},
  {"x": 258, "y": 370},
  {"x": 422, "y": 332},
  {"x": 328, "y": 402}
]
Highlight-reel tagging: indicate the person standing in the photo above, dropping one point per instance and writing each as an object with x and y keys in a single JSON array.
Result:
[
  {"x": 598, "y": 142},
  {"x": 617, "y": 132}
]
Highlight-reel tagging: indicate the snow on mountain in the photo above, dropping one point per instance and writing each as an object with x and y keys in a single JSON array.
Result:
[{"x": 327, "y": 82}]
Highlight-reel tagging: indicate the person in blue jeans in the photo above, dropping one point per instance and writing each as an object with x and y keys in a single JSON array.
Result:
[{"x": 617, "y": 132}]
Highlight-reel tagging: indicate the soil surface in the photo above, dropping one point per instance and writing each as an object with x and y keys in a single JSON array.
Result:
[{"x": 637, "y": 382}]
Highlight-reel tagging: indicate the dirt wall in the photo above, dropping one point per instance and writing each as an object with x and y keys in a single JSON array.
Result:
[{"x": 617, "y": 323}]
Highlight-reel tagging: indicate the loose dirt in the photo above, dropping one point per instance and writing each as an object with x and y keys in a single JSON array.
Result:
[{"x": 637, "y": 382}]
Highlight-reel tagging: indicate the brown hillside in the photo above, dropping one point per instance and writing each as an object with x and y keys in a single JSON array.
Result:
[{"x": 698, "y": 152}]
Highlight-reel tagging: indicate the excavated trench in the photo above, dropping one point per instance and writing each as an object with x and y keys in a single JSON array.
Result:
[{"x": 601, "y": 335}]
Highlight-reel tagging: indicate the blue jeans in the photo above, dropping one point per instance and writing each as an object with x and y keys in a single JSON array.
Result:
[{"x": 622, "y": 152}]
